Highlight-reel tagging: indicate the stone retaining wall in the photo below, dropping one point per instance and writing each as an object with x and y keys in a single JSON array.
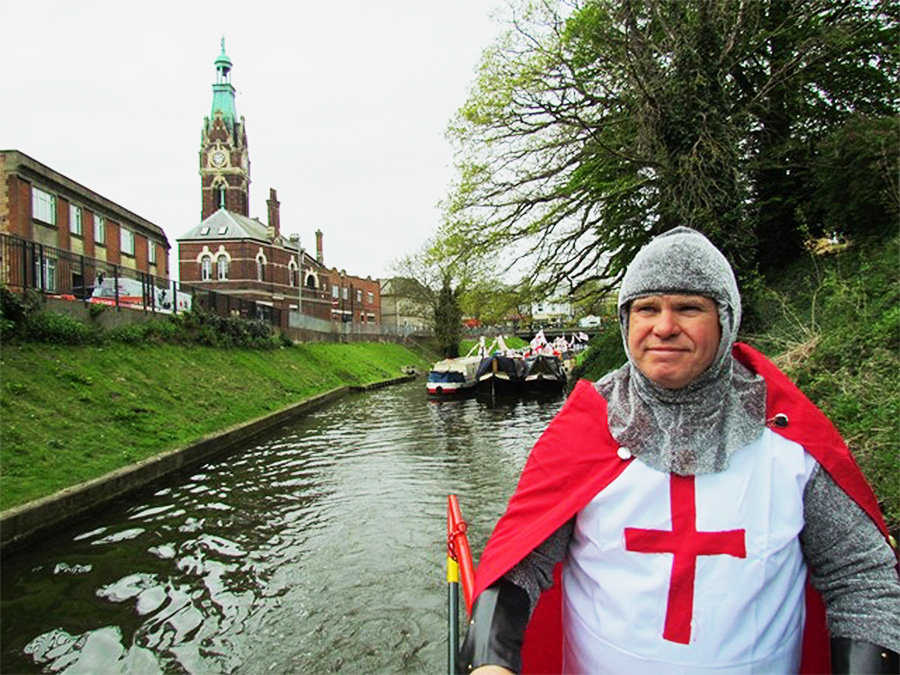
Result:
[{"x": 22, "y": 525}]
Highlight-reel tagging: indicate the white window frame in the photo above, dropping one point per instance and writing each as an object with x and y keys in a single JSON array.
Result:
[
  {"x": 206, "y": 268},
  {"x": 371, "y": 298},
  {"x": 43, "y": 206},
  {"x": 75, "y": 220},
  {"x": 260, "y": 269},
  {"x": 99, "y": 229},
  {"x": 126, "y": 241},
  {"x": 345, "y": 293},
  {"x": 151, "y": 251},
  {"x": 46, "y": 269},
  {"x": 359, "y": 295},
  {"x": 335, "y": 292},
  {"x": 222, "y": 268}
]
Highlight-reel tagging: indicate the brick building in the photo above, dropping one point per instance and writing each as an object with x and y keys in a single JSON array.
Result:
[
  {"x": 70, "y": 229},
  {"x": 242, "y": 257}
]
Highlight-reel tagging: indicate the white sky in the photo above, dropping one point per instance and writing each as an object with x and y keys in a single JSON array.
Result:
[{"x": 346, "y": 104}]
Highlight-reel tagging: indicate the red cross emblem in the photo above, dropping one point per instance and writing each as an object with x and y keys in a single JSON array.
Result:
[{"x": 686, "y": 544}]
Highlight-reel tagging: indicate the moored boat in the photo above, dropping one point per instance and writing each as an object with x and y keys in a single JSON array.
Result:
[{"x": 452, "y": 376}]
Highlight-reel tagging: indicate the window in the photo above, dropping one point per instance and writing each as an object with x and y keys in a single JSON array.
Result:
[
  {"x": 371, "y": 297},
  {"x": 99, "y": 229},
  {"x": 151, "y": 251},
  {"x": 75, "y": 219},
  {"x": 50, "y": 274},
  {"x": 43, "y": 206},
  {"x": 292, "y": 272},
  {"x": 205, "y": 268},
  {"x": 222, "y": 267},
  {"x": 335, "y": 292},
  {"x": 359, "y": 295},
  {"x": 260, "y": 269},
  {"x": 46, "y": 268},
  {"x": 346, "y": 293},
  {"x": 126, "y": 239}
]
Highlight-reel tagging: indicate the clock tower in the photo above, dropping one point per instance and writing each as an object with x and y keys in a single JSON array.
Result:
[{"x": 224, "y": 163}]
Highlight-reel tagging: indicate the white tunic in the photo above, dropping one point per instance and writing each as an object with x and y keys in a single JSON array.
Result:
[{"x": 725, "y": 593}]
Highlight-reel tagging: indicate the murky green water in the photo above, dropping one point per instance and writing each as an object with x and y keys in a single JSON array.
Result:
[{"x": 320, "y": 549}]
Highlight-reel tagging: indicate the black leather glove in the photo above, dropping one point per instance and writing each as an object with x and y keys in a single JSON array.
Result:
[
  {"x": 855, "y": 657},
  {"x": 496, "y": 629}
]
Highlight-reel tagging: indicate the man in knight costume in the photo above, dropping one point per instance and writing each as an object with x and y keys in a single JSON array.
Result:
[{"x": 698, "y": 506}]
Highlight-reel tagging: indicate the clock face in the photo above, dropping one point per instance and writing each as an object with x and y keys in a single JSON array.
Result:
[{"x": 218, "y": 158}]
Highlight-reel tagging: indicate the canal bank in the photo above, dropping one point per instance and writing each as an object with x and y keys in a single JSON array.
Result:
[
  {"x": 320, "y": 547},
  {"x": 23, "y": 525},
  {"x": 73, "y": 414}
]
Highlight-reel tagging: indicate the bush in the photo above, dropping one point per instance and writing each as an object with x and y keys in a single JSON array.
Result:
[
  {"x": 22, "y": 317},
  {"x": 58, "y": 329},
  {"x": 606, "y": 354}
]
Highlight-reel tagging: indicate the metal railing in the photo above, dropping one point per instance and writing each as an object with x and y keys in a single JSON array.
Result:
[{"x": 28, "y": 265}]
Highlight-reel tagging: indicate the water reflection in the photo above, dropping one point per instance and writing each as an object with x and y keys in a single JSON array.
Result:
[{"x": 320, "y": 549}]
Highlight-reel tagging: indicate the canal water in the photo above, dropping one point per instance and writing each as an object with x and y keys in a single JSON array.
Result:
[{"x": 318, "y": 549}]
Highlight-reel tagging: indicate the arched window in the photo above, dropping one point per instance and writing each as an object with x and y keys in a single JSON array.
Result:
[
  {"x": 261, "y": 269},
  {"x": 222, "y": 264},
  {"x": 205, "y": 268},
  {"x": 311, "y": 281}
]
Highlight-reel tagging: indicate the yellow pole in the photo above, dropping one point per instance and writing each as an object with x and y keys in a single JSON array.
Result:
[{"x": 452, "y": 614}]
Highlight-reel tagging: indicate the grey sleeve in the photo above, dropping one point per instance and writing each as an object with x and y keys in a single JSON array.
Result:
[
  {"x": 851, "y": 565},
  {"x": 534, "y": 572}
]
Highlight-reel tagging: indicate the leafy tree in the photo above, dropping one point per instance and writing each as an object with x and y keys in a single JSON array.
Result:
[
  {"x": 435, "y": 281},
  {"x": 593, "y": 126},
  {"x": 448, "y": 319}
]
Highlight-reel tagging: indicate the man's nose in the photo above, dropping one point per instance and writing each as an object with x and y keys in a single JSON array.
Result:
[{"x": 666, "y": 324}]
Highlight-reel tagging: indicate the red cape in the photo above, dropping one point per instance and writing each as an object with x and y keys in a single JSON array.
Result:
[{"x": 575, "y": 458}]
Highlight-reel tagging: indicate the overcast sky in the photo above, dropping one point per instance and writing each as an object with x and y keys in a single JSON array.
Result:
[{"x": 346, "y": 104}]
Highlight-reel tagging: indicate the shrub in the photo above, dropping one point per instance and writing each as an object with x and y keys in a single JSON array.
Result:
[
  {"x": 58, "y": 329},
  {"x": 606, "y": 354}
]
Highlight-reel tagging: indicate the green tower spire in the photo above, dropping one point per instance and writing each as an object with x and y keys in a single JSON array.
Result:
[{"x": 223, "y": 92}]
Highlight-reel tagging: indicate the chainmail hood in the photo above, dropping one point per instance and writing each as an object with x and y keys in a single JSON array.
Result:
[{"x": 696, "y": 428}]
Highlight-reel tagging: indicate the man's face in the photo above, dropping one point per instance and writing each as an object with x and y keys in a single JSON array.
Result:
[{"x": 673, "y": 338}]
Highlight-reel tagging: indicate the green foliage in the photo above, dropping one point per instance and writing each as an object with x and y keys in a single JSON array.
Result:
[
  {"x": 833, "y": 324},
  {"x": 606, "y": 353},
  {"x": 448, "y": 320},
  {"x": 856, "y": 179},
  {"x": 22, "y": 318},
  {"x": 590, "y": 130}
]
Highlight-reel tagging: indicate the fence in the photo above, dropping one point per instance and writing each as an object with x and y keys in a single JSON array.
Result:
[{"x": 66, "y": 275}]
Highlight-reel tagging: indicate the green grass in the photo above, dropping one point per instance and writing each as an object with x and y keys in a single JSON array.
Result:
[{"x": 72, "y": 413}]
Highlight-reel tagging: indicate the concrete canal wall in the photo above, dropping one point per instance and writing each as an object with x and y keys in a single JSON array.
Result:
[{"x": 25, "y": 524}]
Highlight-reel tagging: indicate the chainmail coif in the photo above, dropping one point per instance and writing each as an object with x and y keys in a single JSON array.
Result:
[{"x": 694, "y": 429}]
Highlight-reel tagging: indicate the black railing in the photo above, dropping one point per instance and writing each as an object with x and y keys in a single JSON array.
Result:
[{"x": 66, "y": 275}]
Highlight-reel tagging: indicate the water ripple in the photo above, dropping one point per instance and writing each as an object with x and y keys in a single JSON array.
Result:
[{"x": 317, "y": 550}]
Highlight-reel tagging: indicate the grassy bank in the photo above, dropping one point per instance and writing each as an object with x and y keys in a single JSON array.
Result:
[
  {"x": 832, "y": 323},
  {"x": 71, "y": 413}
]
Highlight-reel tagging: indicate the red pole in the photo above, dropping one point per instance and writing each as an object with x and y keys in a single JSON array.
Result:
[{"x": 458, "y": 548}]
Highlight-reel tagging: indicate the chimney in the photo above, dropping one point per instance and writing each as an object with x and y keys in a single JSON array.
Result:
[
  {"x": 274, "y": 229},
  {"x": 320, "y": 256}
]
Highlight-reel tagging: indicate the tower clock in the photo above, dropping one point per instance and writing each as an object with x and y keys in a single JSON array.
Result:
[{"x": 224, "y": 163}]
